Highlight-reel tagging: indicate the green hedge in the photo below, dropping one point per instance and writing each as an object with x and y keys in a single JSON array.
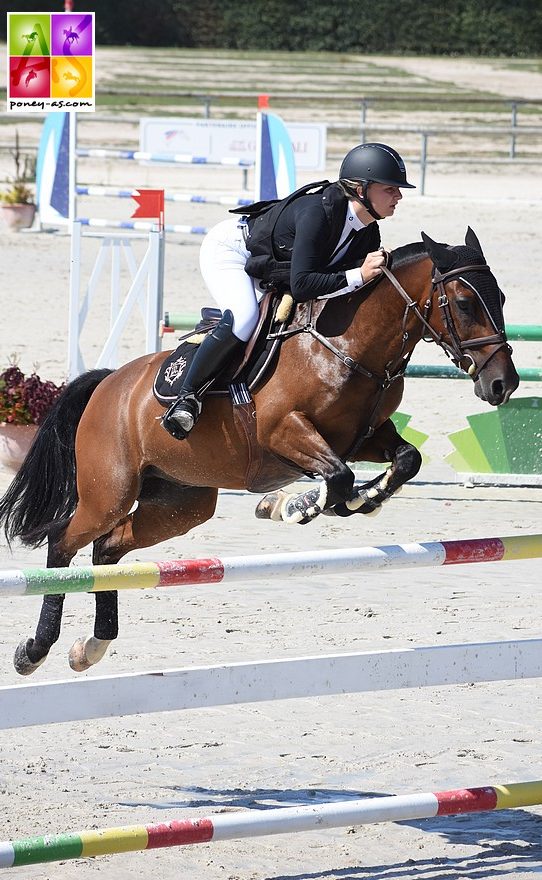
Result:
[{"x": 462, "y": 27}]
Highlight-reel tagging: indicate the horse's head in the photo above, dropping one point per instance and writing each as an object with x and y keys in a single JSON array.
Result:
[{"x": 470, "y": 306}]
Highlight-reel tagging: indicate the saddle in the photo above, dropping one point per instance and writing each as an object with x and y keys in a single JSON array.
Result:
[
  {"x": 263, "y": 467},
  {"x": 243, "y": 375}
]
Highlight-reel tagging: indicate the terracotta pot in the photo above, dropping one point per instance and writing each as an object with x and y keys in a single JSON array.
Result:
[
  {"x": 15, "y": 441},
  {"x": 18, "y": 216}
]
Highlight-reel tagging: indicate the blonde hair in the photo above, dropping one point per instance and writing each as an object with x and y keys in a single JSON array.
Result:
[{"x": 349, "y": 188}]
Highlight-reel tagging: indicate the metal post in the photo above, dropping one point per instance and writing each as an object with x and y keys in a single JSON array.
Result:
[
  {"x": 75, "y": 365},
  {"x": 423, "y": 162},
  {"x": 363, "y": 119},
  {"x": 72, "y": 166},
  {"x": 155, "y": 284},
  {"x": 207, "y": 108},
  {"x": 513, "y": 137}
]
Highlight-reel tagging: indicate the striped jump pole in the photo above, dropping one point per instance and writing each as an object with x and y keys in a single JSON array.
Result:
[
  {"x": 263, "y": 823},
  {"x": 170, "y": 158},
  {"x": 85, "y": 699},
  {"x": 238, "y": 569},
  {"x": 190, "y": 198},
  {"x": 141, "y": 225}
]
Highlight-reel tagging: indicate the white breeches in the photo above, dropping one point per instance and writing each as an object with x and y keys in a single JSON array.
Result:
[{"x": 222, "y": 259}]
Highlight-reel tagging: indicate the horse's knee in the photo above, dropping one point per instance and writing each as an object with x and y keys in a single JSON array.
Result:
[
  {"x": 339, "y": 485},
  {"x": 407, "y": 461}
]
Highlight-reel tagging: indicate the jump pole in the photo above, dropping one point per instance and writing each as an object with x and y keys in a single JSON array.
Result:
[
  {"x": 177, "y": 321},
  {"x": 263, "y": 823},
  {"x": 237, "y": 569},
  {"x": 200, "y": 687}
]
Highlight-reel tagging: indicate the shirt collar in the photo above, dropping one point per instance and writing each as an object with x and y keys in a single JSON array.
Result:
[{"x": 352, "y": 218}]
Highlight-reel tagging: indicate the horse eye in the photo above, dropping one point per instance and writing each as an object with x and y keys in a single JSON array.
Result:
[{"x": 464, "y": 305}]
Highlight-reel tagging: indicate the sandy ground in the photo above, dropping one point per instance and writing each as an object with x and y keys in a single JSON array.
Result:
[{"x": 159, "y": 767}]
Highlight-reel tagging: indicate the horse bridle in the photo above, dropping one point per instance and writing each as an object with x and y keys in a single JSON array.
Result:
[{"x": 457, "y": 348}]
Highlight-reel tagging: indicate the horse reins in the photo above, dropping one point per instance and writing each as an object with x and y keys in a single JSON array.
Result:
[{"x": 456, "y": 351}]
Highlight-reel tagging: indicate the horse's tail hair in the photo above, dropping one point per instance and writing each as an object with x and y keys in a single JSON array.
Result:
[{"x": 43, "y": 495}]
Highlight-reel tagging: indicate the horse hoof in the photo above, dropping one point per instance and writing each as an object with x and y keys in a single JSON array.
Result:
[
  {"x": 22, "y": 662},
  {"x": 270, "y": 506},
  {"x": 303, "y": 508},
  {"x": 84, "y": 653}
]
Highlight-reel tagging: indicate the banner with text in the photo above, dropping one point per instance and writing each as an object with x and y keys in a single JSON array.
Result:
[{"x": 217, "y": 139}]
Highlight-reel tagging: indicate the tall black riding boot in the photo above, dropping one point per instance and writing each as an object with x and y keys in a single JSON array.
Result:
[{"x": 213, "y": 355}]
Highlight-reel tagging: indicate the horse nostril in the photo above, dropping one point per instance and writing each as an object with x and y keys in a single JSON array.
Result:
[{"x": 497, "y": 387}]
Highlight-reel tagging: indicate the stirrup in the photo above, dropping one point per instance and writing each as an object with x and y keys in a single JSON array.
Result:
[{"x": 181, "y": 416}]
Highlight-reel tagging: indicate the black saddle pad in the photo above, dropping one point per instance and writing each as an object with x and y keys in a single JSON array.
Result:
[{"x": 169, "y": 378}]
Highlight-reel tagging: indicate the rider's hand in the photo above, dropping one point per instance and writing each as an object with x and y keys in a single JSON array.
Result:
[{"x": 372, "y": 265}]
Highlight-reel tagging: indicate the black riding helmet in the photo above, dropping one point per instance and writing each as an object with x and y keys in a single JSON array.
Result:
[{"x": 372, "y": 163}]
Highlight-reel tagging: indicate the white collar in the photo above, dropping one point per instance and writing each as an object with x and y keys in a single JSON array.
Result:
[{"x": 352, "y": 218}]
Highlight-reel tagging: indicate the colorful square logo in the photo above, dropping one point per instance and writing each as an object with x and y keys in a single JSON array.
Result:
[{"x": 50, "y": 61}]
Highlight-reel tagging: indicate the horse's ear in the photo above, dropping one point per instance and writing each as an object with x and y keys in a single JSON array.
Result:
[
  {"x": 439, "y": 253},
  {"x": 471, "y": 240}
]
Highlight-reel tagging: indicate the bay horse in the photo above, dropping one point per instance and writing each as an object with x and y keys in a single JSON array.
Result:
[{"x": 102, "y": 469}]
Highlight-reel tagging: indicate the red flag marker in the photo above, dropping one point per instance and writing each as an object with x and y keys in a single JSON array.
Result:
[{"x": 150, "y": 204}]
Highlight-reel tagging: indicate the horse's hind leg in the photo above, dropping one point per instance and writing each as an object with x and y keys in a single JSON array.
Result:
[
  {"x": 165, "y": 510},
  {"x": 31, "y": 653},
  {"x": 386, "y": 444},
  {"x": 92, "y": 518}
]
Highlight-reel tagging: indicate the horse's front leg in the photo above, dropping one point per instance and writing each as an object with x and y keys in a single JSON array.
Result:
[
  {"x": 296, "y": 439},
  {"x": 386, "y": 444}
]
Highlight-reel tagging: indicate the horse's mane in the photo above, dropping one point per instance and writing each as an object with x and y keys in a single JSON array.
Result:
[{"x": 408, "y": 253}]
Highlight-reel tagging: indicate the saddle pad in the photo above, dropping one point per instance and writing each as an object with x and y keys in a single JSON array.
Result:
[
  {"x": 169, "y": 377},
  {"x": 168, "y": 380}
]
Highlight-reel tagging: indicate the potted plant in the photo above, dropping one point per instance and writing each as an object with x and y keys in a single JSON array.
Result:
[
  {"x": 24, "y": 403},
  {"x": 17, "y": 204}
]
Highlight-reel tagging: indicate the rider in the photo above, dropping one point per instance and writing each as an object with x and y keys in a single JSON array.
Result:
[{"x": 312, "y": 243}]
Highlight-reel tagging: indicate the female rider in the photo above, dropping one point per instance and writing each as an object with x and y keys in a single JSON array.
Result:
[{"x": 312, "y": 243}]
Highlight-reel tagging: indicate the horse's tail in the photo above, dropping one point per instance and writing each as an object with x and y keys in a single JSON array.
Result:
[{"x": 43, "y": 494}]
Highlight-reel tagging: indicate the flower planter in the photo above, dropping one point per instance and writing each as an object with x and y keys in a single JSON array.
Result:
[
  {"x": 15, "y": 441},
  {"x": 17, "y": 217}
]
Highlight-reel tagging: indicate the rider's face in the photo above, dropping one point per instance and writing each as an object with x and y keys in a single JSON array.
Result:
[{"x": 384, "y": 198}]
